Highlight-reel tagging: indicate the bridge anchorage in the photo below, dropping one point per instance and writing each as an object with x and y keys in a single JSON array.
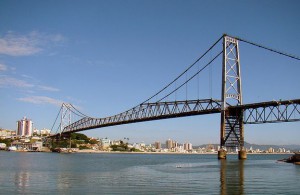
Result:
[{"x": 234, "y": 114}]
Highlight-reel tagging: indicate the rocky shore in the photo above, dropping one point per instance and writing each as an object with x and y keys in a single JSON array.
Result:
[{"x": 293, "y": 159}]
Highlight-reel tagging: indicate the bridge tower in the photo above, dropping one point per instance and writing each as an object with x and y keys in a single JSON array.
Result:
[
  {"x": 65, "y": 117},
  {"x": 232, "y": 127}
]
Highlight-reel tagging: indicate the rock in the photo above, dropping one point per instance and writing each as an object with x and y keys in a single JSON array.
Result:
[{"x": 293, "y": 159}]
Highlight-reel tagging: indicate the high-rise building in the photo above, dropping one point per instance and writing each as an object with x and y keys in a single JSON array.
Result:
[
  {"x": 169, "y": 144},
  {"x": 187, "y": 146},
  {"x": 25, "y": 127},
  {"x": 157, "y": 145},
  {"x": 175, "y": 144}
]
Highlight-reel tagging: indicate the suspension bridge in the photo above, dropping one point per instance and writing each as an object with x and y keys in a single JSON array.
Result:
[{"x": 234, "y": 114}]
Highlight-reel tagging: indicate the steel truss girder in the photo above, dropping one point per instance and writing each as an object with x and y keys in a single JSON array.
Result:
[
  {"x": 272, "y": 112},
  {"x": 257, "y": 113},
  {"x": 148, "y": 112}
]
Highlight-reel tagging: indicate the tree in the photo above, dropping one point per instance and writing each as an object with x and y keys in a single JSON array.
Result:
[
  {"x": 93, "y": 141},
  {"x": 79, "y": 136},
  {"x": 6, "y": 141}
]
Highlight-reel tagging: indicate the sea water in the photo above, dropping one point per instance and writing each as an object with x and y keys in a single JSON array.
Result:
[{"x": 119, "y": 173}]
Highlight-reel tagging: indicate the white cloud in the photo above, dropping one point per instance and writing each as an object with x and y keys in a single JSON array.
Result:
[
  {"x": 47, "y": 88},
  {"x": 27, "y": 76},
  {"x": 3, "y": 67},
  {"x": 13, "y": 44},
  {"x": 6, "y": 81},
  {"x": 13, "y": 82},
  {"x": 41, "y": 100}
]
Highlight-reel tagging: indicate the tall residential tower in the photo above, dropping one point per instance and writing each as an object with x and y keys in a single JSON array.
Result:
[{"x": 25, "y": 127}]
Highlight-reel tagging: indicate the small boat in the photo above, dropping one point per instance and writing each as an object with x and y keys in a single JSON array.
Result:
[{"x": 12, "y": 148}]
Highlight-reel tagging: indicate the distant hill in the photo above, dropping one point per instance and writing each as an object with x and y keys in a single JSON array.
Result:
[
  {"x": 261, "y": 147},
  {"x": 276, "y": 147}
]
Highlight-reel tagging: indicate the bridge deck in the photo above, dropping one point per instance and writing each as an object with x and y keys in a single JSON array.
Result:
[
  {"x": 271, "y": 112},
  {"x": 148, "y": 112},
  {"x": 263, "y": 112}
]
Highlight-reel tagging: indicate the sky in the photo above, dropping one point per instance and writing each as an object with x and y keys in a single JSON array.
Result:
[{"x": 105, "y": 57}]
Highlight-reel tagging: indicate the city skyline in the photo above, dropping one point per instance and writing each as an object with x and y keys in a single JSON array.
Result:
[{"x": 114, "y": 55}]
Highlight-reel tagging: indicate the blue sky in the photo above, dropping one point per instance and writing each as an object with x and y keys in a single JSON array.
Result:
[{"x": 105, "y": 57}]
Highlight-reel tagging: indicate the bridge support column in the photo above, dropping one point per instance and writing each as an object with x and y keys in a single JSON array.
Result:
[
  {"x": 222, "y": 154},
  {"x": 242, "y": 154}
]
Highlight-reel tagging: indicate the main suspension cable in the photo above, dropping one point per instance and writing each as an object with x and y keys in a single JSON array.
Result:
[
  {"x": 184, "y": 71},
  {"x": 267, "y": 48},
  {"x": 82, "y": 115},
  {"x": 192, "y": 76},
  {"x": 56, "y": 118}
]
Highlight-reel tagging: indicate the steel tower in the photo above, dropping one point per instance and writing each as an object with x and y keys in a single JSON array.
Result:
[{"x": 232, "y": 127}]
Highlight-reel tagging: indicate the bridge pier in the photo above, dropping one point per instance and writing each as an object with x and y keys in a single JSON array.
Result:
[
  {"x": 242, "y": 154},
  {"x": 222, "y": 154}
]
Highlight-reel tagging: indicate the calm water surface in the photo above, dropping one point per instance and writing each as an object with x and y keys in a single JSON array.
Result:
[{"x": 53, "y": 173}]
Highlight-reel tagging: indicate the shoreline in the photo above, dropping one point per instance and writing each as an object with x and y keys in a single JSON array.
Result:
[
  {"x": 208, "y": 153},
  {"x": 87, "y": 151}
]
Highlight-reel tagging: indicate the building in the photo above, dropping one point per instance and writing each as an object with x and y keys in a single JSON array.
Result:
[
  {"x": 24, "y": 127},
  {"x": 169, "y": 144},
  {"x": 271, "y": 150},
  {"x": 175, "y": 144},
  {"x": 104, "y": 143},
  {"x": 172, "y": 145},
  {"x": 157, "y": 145},
  {"x": 187, "y": 146},
  {"x": 36, "y": 132},
  {"x": 45, "y": 132},
  {"x": 4, "y": 133},
  {"x": 27, "y": 146}
]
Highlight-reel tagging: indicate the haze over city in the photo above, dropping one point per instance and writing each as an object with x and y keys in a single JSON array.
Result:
[{"x": 115, "y": 54}]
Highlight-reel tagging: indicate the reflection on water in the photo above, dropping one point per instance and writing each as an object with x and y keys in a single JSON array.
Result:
[
  {"x": 231, "y": 177},
  {"x": 22, "y": 180},
  {"x": 22, "y": 177},
  {"x": 63, "y": 181}
]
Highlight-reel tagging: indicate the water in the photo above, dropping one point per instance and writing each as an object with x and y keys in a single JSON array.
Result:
[{"x": 53, "y": 173}]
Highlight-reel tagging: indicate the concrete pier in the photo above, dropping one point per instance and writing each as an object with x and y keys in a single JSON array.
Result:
[
  {"x": 222, "y": 154},
  {"x": 242, "y": 154}
]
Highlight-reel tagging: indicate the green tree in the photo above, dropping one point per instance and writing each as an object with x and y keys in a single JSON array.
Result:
[
  {"x": 6, "y": 141},
  {"x": 79, "y": 136},
  {"x": 83, "y": 147},
  {"x": 121, "y": 147},
  {"x": 93, "y": 141}
]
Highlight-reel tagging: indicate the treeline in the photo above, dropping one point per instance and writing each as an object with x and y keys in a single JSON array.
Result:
[{"x": 78, "y": 140}]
